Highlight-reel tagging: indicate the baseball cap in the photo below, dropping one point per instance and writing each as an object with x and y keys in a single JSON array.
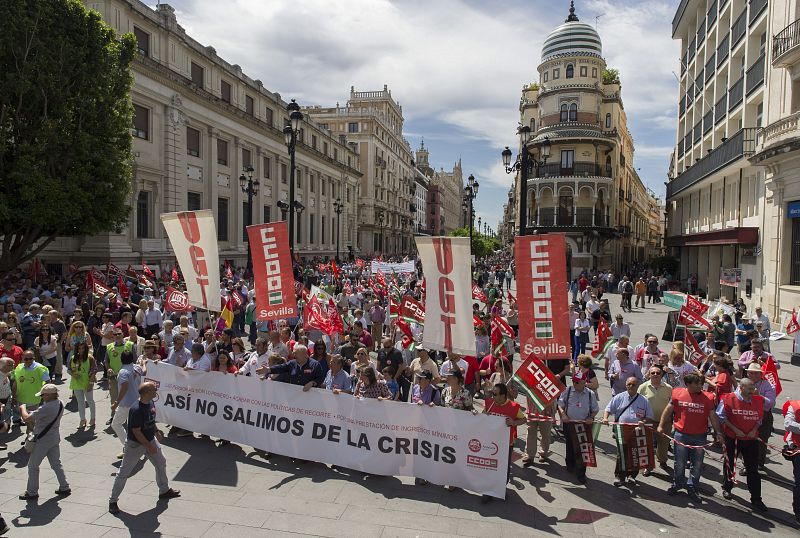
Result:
[{"x": 49, "y": 388}]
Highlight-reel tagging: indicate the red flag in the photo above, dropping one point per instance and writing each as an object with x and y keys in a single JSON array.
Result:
[
  {"x": 89, "y": 281},
  {"x": 793, "y": 325},
  {"x": 123, "y": 289},
  {"x": 412, "y": 310},
  {"x": 477, "y": 293},
  {"x": 315, "y": 318},
  {"x": 394, "y": 307},
  {"x": 112, "y": 270},
  {"x": 476, "y": 321},
  {"x": 146, "y": 282},
  {"x": 228, "y": 270},
  {"x": 538, "y": 382},
  {"x": 347, "y": 289},
  {"x": 335, "y": 269},
  {"x": 511, "y": 298},
  {"x": 131, "y": 273},
  {"x": 696, "y": 306},
  {"x": 603, "y": 338},
  {"x": 359, "y": 263},
  {"x": 98, "y": 276},
  {"x": 381, "y": 278},
  {"x": 696, "y": 354},
  {"x": 690, "y": 319},
  {"x": 99, "y": 289},
  {"x": 174, "y": 275},
  {"x": 147, "y": 270},
  {"x": 337, "y": 325},
  {"x": 237, "y": 299},
  {"x": 771, "y": 374},
  {"x": 500, "y": 330},
  {"x": 408, "y": 336},
  {"x": 176, "y": 301}
]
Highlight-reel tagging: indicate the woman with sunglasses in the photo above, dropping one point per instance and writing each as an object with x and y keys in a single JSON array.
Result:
[
  {"x": 82, "y": 369},
  {"x": 47, "y": 344},
  {"x": 160, "y": 350},
  {"x": 362, "y": 361},
  {"x": 321, "y": 355}
]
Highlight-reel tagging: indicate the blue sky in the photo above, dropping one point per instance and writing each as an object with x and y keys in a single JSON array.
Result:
[{"x": 456, "y": 66}]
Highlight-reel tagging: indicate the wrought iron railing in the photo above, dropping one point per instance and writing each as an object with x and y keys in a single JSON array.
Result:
[
  {"x": 786, "y": 40},
  {"x": 755, "y": 74}
]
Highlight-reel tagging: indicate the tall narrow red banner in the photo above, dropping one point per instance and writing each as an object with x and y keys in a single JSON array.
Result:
[
  {"x": 542, "y": 296},
  {"x": 272, "y": 271}
]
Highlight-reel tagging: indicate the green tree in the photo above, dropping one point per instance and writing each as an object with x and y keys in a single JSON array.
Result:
[
  {"x": 65, "y": 118},
  {"x": 611, "y": 76},
  {"x": 482, "y": 245}
]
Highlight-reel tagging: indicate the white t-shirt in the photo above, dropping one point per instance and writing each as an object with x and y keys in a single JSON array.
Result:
[
  {"x": 581, "y": 323},
  {"x": 203, "y": 363},
  {"x": 446, "y": 367},
  {"x": 253, "y": 363}
]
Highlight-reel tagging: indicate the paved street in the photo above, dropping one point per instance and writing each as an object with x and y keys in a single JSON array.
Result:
[{"x": 230, "y": 491}]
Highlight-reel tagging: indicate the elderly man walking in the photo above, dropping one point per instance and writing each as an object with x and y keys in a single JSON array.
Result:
[{"x": 628, "y": 407}]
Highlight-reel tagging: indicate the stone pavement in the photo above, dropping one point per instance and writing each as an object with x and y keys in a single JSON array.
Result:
[{"x": 229, "y": 490}]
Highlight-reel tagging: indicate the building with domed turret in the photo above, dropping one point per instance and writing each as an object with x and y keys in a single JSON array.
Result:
[{"x": 587, "y": 188}]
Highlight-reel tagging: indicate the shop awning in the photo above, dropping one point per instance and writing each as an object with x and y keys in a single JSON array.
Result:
[{"x": 729, "y": 236}]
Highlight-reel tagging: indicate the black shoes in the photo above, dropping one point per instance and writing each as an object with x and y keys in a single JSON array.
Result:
[
  {"x": 63, "y": 492},
  {"x": 726, "y": 494},
  {"x": 759, "y": 505},
  {"x": 694, "y": 496},
  {"x": 28, "y": 497},
  {"x": 113, "y": 508},
  {"x": 170, "y": 494}
]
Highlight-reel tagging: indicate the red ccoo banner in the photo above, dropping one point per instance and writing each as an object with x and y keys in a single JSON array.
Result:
[
  {"x": 272, "y": 271},
  {"x": 542, "y": 292}
]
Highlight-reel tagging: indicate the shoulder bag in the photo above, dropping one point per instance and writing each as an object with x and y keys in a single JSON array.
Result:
[{"x": 30, "y": 440}]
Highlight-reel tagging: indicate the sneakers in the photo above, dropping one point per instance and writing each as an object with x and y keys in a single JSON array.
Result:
[
  {"x": 632, "y": 481},
  {"x": 527, "y": 461},
  {"x": 694, "y": 496},
  {"x": 726, "y": 494},
  {"x": 170, "y": 494},
  {"x": 759, "y": 505},
  {"x": 120, "y": 455},
  {"x": 113, "y": 508}
]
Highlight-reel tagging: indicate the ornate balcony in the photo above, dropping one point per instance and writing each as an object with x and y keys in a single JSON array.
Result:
[
  {"x": 578, "y": 169},
  {"x": 786, "y": 46},
  {"x": 566, "y": 218}
]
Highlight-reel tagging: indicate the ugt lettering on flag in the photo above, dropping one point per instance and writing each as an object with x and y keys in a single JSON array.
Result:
[{"x": 538, "y": 382}]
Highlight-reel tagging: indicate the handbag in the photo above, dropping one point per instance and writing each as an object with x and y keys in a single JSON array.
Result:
[{"x": 30, "y": 439}]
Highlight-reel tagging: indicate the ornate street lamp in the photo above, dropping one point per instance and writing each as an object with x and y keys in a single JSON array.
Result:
[
  {"x": 250, "y": 188},
  {"x": 521, "y": 165},
  {"x": 290, "y": 134},
  {"x": 380, "y": 225},
  {"x": 470, "y": 193},
  {"x": 338, "y": 207}
]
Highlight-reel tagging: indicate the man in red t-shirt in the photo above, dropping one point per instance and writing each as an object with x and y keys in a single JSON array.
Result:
[
  {"x": 740, "y": 414},
  {"x": 9, "y": 349},
  {"x": 499, "y": 404},
  {"x": 471, "y": 380},
  {"x": 487, "y": 368},
  {"x": 690, "y": 411}
]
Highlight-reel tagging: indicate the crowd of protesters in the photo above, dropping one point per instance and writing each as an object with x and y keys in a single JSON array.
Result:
[{"x": 55, "y": 328}]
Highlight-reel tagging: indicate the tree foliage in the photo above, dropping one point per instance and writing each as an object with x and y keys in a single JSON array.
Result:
[
  {"x": 482, "y": 245},
  {"x": 65, "y": 118},
  {"x": 611, "y": 76}
]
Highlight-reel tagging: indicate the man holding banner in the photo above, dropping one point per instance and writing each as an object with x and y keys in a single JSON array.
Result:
[
  {"x": 634, "y": 442},
  {"x": 577, "y": 407}
]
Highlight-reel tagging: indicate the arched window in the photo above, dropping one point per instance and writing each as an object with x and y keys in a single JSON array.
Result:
[
  {"x": 564, "y": 112},
  {"x": 533, "y": 125},
  {"x": 608, "y": 121},
  {"x": 573, "y": 112},
  {"x": 570, "y": 71},
  {"x": 608, "y": 166}
]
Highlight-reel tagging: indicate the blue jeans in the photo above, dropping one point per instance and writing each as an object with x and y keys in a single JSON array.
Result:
[{"x": 682, "y": 455}]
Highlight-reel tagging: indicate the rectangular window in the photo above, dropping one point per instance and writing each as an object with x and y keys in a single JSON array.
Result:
[
  {"x": 192, "y": 142},
  {"x": 268, "y": 116},
  {"x": 311, "y": 228},
  {"x": 298, "y": 178},
  {"x": 324, "y": 126},
  {"x": 142, "y": 41},
  {"x": 325, "y": 148},
  {"x": 222, "y": 152},
  {"x": 335, "y": 154},
  {"x": 322, "y": 187},
  {"x": 222, "y": 219},
  {"x": 248, "y": 104},
  {"x": 594, "y": 72},
  {"x": 141, "y": 122},
  {"x": 565, "y": 210},
  {"x": 567, "y": 161},
  {"x": 284, "y": 173},
  {"x": 267, "y": 169},
  {"x": 194, "y": 201},
  {"x": 347, "y": 192},
  {"x": 311, "y": 183},
  {"x": 544, "y": 76},
  {"x": 795, "y": 276},
  {"x": 343, "y": 139},
  {"x": 225, "y": 91},
  {"x": 247, "y": 158},
  {"x": 197, "y": 74},
  {"x": 556, "y": 73},
  {"x": 314, "y": 141},
  {"x": 352, "y": 127},
  {"x": 322, "y": 230},
  {"x": 143, "y": 215},
  {"x": 298, "y": 232},
  {"x": 267, "y": 213},
  {"x": 583, "y": 71}
]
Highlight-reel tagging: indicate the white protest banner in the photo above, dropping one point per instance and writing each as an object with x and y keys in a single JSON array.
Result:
[
  {"x": 194, "y": 239},
  {"x": 441, "y": 445},
  {"x": 388, "y": 268},
  {"x": 448, "y": 301}
]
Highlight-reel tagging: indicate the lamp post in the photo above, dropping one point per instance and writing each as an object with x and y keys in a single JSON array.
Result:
[
  {"x": 380, "y": 225},
  {"x": 284, "y": 207},
  {"x": 470, "y": 193},
  {"x": 338, "y": 207},
  {"x": 521, "y": 165},
  {"x": 290, "y": 133},
  {"x": 250, "y": 188}
]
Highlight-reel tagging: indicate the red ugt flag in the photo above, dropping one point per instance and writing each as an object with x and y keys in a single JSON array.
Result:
[
  {"x": 696, "y": 306},
  {"x": 477, "y": 293}
]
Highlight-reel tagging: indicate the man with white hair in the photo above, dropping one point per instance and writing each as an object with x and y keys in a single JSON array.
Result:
[
  {"x": 760, "y": 316},
  {"x": 302, "y": 369}
]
